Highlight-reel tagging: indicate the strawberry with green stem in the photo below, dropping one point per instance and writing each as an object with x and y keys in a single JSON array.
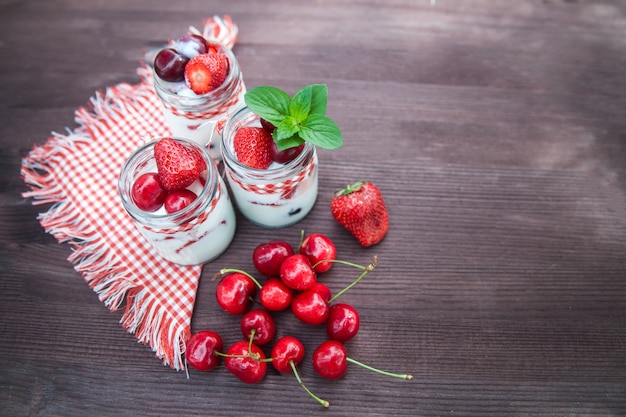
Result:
[{"x": 361, "y": 210}]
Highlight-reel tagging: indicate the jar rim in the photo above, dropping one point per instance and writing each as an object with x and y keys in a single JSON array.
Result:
[
  {"x": 142, "y": 155},
  {"x": 216, "y": 95},
  {"x": 270, "y": 174}
]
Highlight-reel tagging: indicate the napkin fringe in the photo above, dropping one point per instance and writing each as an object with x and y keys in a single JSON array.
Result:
[
  {"x": 153, "y": 326},
  {"x": 143, "y": 317},
  {"x": 220, "y": 29}
]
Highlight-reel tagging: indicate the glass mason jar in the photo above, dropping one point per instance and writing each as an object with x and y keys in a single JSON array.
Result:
[
  {"x": 198, "y": 233},
  {"x": 279, "y": 196},
  {"x": 199, "y": 117}
]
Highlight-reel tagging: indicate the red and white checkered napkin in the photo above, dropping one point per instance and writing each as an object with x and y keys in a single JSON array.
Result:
[{"x": 78, "y": 172}]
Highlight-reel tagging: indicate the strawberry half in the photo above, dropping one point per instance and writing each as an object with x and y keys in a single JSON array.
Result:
[
  {"x": 360, "y": 209},
  {"x": 177, "y": 165},
  {"x": 206, "y": 72},
  {"x": 253, "y": 147}
]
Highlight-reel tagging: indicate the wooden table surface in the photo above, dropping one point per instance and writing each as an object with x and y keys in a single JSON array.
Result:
[{"x": 496, "y": 132}]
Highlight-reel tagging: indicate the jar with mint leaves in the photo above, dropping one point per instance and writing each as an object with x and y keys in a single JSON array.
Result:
[{"x": 269, "y": 153}]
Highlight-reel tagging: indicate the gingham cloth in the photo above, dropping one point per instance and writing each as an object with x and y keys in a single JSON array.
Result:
[{"x": 78, "y": 173}]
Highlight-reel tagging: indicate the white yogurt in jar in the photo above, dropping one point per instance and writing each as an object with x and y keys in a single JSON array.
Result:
[
  {"x": 278, "y": 209},
  {"x": 279, "y": 196},
  {"x": 198, "y": 241},
  {"x": 198, "y": 233},
  {"x": 200, "y": 117}
]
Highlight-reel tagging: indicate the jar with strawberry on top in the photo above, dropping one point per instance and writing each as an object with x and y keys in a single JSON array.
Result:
[
  {"x": 200, "y": 85},
  {"x": 269, "y": 153},
  {"x": 172, "y": 190}
]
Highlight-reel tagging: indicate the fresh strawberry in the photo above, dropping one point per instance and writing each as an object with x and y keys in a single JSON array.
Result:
[
  {"x": 360, "y": 209},
  {"x": 206, "y": 72},
  {"x": 177, "y": 165},
  {"x": 252, "y": 147}
]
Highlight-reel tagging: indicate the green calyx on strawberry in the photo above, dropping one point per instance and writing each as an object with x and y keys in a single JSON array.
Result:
[
  {"x": 178, "y": 166},
  {"x": 297, "y": 120},
  {"x": 361, "y": 210}
]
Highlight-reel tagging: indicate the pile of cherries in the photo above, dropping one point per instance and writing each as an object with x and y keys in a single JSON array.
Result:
[{"x": 291, "y": 284}]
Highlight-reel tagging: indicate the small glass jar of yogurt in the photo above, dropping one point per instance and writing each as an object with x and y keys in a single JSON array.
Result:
[
  {"x": 199, "y": 117},
  {"x": 276, "y": 197},
  {"x": 194, "y": 235}
]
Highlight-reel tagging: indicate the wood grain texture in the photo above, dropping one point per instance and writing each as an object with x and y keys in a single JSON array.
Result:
[{"x": 495, "y": 130}]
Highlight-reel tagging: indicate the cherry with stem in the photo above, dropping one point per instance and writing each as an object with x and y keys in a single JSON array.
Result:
[
  {"x": 225, "y": 271},
  {"x": 313, "y": 307},
  {"x": 287, "y": 353},
  {"x": 246, "y": 361},
  {"x": 318, "y": 247},
  {"x": 330, "y": 361},
  {"x": 259, "y": 326},
  {"x": 202, "y": 350},
  {"x": 234, "y": 292}
]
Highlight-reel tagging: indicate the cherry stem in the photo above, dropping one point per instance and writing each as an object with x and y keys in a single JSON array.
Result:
[
  {"x": 225, "y": 271},
  {"x": 366, "y": 269},
  {"x": 325, "y": 403},
  {"x": 352, "y": 264},
  {"x": 252, "y": 333},
  {"x": 301, "y": 238},
  {"x": 401, "y": 376},
  {"x": 254, "y": 356},
  {"x": 228, "y": 355}
]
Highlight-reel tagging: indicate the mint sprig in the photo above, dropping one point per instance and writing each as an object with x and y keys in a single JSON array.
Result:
[{"x": 298, "y": 119}]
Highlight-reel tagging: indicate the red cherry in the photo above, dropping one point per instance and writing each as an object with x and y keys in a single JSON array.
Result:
[
  {"x": 343, "y": 322},
  {"x": 147, "y": 192},
  {"x": 267, "y": 125},
  {"x": 318, "y": 247},
  {"x": 244, "y": 360},
  {"x": 286, "y": 354},
  {"x": 275, "y": 295},
  {"x": 287, "y": 349},
  {"x": 169, "y": 65},
  {"x": 262, "y": 323},
  {"x": 323, "y": 290},
  {"x": 310, "y": 307},
  {"x": 234, "y": 291},
  {"x": 191, "y": 45},
  {"x": 201, "y": 348},
  {"x": 267, "y": 257},
  {"x": 330, "y": 359},
  {"x": 286, "y": 155},
  {"x": 296, "y": 272},
  {"x": 178, "y": 199}
]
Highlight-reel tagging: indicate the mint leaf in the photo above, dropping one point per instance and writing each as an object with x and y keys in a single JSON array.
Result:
[
  {"x": 285, "y": 129},
  {"x": 290, "y": 142},
  {"x": 269, "y": 103},
  {"x": 301, "y": 104},
  {"x": 298, "y": 119},
  {"x": 319, "y": 99},
  {"x": 321, "y": 131}
]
